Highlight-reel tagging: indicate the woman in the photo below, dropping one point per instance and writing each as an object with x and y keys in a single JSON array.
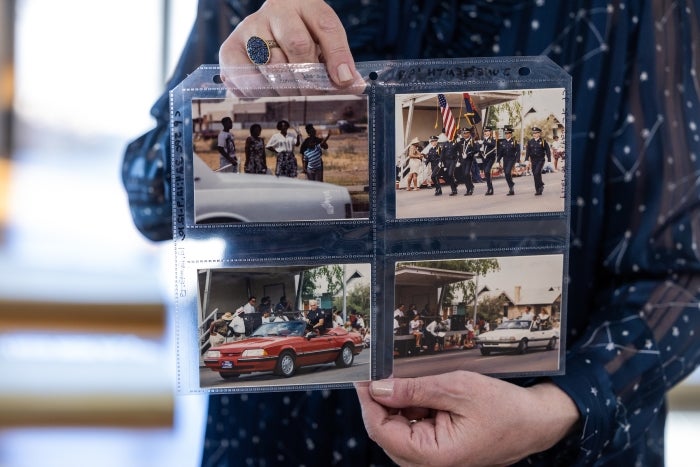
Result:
[
  {"x": 415, "y": 327},
  {"x": 255, "y": 162},
  {"x": 414, "y": 164},
  {"x": 282, "y": 144},
  {"x": 614, "y": 54}
]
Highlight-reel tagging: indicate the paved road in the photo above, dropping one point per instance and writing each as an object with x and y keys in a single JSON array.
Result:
[
  {"x": 423, "y": 203},
  {"x": 318, "y": 374},
  {"x": 472, "y": 360}
]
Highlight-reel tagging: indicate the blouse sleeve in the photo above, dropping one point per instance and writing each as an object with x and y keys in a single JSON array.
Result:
[
  {"x": 146, "y": 163},
  {"x": 635, "y": 234}
]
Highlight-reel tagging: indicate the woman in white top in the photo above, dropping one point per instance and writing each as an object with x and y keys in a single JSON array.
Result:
[
  {"x": 415, "y": 327},
  {"x": 282, "y": 144},
  {"x": 415, "y": 159}
]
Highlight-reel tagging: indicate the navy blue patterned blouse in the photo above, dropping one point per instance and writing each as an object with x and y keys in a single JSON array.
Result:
[{"x": 634, "y": 298}]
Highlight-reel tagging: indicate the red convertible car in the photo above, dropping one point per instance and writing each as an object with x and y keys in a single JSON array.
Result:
[{"x": 282, "y": 347}]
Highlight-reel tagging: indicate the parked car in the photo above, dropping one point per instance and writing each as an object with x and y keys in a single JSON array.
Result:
[
  {"x": 517, "y": 335},
  {"x": 225, "y": 197},
  {"x": 346, "y": 126},
  {"x": 283, "y": 347}
]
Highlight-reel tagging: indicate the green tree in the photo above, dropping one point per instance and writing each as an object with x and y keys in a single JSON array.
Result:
[
  {"x": 358, "y": 299},
  {"x": 308, "y": 286},
  {"x": 511, "y": 111},
  {"x": 491, "y": 309},
  {"x": 493, "y": 117},
  {"x": 331, "y": 275},
  {"x": 480, "y": 267}
]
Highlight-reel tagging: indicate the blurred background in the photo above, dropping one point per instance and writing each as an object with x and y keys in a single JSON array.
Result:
[{"x": 87, "y": 355}]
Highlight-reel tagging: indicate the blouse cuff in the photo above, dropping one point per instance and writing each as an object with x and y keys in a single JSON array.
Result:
[{"x": 590, "y": 388}]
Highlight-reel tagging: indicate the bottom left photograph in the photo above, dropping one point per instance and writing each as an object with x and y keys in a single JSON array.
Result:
[{"x": 284, "y": 325}]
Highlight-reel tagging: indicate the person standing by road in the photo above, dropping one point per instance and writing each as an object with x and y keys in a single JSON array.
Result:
[
  {"x": 415, "y": 159},
  {"x": 228, "y": 162},
  {"x": 282, "y": 144},
  {"x": 255, "y": 161},
  {"x": 312, "y": 154}
]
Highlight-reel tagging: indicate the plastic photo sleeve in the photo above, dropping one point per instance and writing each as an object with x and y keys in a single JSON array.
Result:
[{"x": 413, "y": 224}]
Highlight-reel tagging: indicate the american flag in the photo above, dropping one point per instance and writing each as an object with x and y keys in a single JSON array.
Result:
[{"x": 448, "y": 121}]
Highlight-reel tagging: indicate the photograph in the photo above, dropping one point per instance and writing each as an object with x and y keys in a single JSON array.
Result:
[
  {"x": 284, "y": 325},
  {"x": 485, "y": 315},
  {"x": 276, "y": 159},
  {"x": 480, "y": 153}
]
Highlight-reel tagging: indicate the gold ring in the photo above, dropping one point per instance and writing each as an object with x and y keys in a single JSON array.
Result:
[{"x": 258, "y": 49}]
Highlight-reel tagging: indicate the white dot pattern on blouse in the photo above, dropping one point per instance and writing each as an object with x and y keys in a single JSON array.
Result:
[{"x": 634, "y": 285}]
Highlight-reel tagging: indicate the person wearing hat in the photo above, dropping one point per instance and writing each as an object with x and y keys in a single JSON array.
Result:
[
  {"x": 488, "y": 148},
  {"x": 218, "y": 330},
  {"x": 467, "y": 149},
  {"x": 508, "y": 150},
  {"x": 414, "y": 163},
  {"x": 432, "y": 158},
  {"x": 535, "y": 152},
  {"x": 448, "y": 156}
]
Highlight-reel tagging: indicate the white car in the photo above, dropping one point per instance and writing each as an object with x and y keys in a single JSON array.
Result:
[
  {"x": 221, "y": 197},
  {"x": 518, "y": 335}
]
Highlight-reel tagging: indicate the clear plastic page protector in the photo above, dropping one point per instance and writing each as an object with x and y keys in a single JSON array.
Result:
[{"x": 412, "y": 224}]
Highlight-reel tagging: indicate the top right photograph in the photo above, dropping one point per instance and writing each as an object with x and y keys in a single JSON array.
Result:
[{"x": 480, "y": 153}]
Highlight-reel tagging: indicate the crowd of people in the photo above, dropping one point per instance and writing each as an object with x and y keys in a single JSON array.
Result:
[
  {"x": 430, "y": 330},
  {"x": 468, "y": 159},
  {"x": 235, "y": 326},
  {"x": 281, "y": 144}
]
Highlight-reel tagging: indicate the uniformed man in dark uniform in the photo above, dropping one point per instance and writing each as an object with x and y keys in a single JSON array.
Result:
[
  {"x": 316, "y": 318},
  {"x": 535, "y": 151},
  {"x": 509, "y": 151},
  {"x": 448, "y": 155},
  {"x": 467, "y": 149},
  {"x": 488, "y": 149},
  {"x": 433, "y": 159}
]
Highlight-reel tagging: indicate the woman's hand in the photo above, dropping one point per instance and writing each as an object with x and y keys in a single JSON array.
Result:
[
  {"x": 463, "y": 419},
  {"x": 304, "y": 31}
]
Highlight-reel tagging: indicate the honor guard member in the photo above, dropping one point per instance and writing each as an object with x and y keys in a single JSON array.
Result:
[
  {"x": 488, "y": 148},
  {"x": 433, "y": 159},
  {"x": 535, "y": 151},
  {"x": 467, "y": 149},
  {"x": 448, "y": 156},
  {"x": 509, "y": 151}
]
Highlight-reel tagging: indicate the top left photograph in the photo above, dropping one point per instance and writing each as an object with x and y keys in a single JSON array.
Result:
[{"x": 279, "y": 159}]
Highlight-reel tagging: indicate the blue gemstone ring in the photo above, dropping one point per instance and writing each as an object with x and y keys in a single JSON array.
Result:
[{"x": 258, "y": 50}]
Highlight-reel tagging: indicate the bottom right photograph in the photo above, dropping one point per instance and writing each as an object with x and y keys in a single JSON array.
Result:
[{"x": 500, "y": 316}]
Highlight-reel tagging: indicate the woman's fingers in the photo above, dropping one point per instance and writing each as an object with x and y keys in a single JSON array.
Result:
[{"x": 287, "y": 32}]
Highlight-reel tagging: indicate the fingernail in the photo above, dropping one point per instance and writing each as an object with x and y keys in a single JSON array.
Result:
[
  {"x": 344, "y": 73},
  {"x": 383, "y": 388}
]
